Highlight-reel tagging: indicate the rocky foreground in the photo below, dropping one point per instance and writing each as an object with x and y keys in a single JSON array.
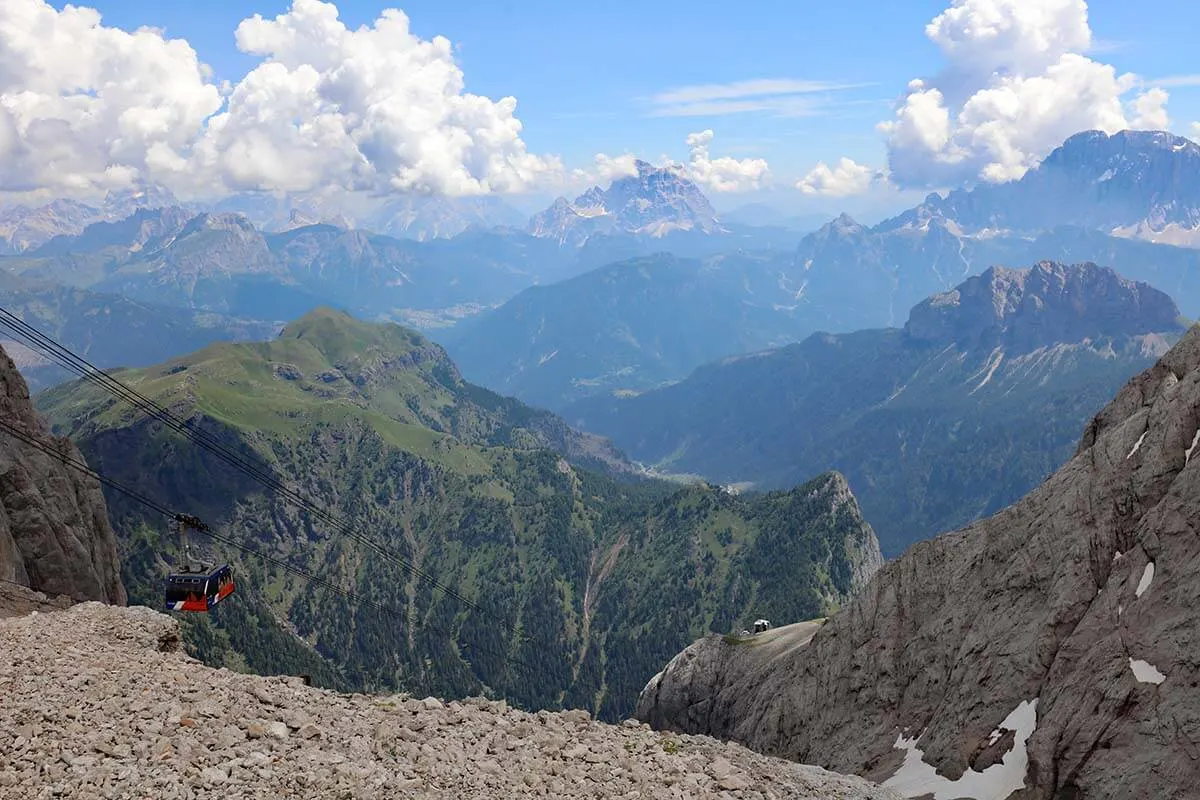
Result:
[{"x": 98, "y": 702}]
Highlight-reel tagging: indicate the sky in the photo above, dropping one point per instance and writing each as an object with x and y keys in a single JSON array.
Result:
[{"x": 805, "y": 105}]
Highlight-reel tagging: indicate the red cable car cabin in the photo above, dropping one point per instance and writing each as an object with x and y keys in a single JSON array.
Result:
[{"x": 198, "y": 591}]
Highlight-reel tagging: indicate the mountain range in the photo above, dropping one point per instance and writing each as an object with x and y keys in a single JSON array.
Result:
[
  {"x": 966, "y": 408},
  {"x": 24, "y": 228},
  {"x": 572, "y": 566},
  {"x": 1136, "y": 184},
  {"x": 1087, "y": 201}
]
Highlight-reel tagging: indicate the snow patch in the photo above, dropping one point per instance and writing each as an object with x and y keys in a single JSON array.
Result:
[
  {"x": 1187, "y": 456},
  {"x": 1107, "y": 176},
  {"x": 547, "y": 357},
  {"x": 915, "y": 778},
  {"x": 1147, "y": 579},
  {"x": 1145, "y": 672},
  {"x": 1117, "y": 556},
  {"x": 1137, "y": 445}
]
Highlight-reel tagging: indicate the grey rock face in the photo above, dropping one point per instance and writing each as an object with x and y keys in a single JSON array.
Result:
[
  {"x": 1050, "y": 303},
  {"x": 1069, "y": 620},
  {"x": 54, "y": 531},
  {"x": 97, "y": 695}
]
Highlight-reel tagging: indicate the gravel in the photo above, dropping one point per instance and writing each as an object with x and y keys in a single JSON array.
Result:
[{"x": 97, "y": 701}]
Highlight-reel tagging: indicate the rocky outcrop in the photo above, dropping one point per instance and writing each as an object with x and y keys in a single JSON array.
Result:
[
  {"x": 1046, "y": 652},
  {"x": 98, "y": 696},
  {"x": 1050, "y": 303},
  {"x": 54, "y": 531}
]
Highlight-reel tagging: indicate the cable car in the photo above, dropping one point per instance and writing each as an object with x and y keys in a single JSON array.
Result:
[
  {"x": 196, "y": 586},
  {"x": 198, "y": 591}
]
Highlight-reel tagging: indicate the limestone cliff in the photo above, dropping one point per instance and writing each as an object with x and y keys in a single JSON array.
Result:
[
  {"x": 1046, "y": 652},
  {"x": 55, "y": 535}
]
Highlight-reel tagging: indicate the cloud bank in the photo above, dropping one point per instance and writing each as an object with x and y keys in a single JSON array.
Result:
[{"x": 86, "y": 107}]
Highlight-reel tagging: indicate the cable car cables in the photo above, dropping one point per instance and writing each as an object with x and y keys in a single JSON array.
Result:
[
  {"x": 80, "y": 366},
  {"x": 154, "y": 505},
  {"x": 303, "y": 574}
]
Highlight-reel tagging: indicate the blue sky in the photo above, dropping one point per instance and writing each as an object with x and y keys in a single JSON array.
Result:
[{"x": 592, "y": 78}]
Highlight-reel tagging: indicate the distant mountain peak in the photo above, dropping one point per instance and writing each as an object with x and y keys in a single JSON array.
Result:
[
  {"x": 654, "y": 202},
  {"x": 1046, "y": 304},
  {"x": 843, "y": 226}
]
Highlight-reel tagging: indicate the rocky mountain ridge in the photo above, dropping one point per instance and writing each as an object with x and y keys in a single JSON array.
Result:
[
  {"x": 1046, "y": 652},
  {"x": 55, "y": 535},
  {"x": 1021, "y": 310}
]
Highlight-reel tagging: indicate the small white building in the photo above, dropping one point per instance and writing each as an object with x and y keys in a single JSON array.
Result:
[{"x": 761, "y": 625}]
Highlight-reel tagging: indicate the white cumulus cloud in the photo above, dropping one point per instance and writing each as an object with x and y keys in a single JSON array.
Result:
[
  {"x": 606, "y": 169},
  {"x": 845, "y": 179},
  {"x": 87, "y": 107},
  {"x": 84, "y": 106},
  {"x": 1015, "y": 85},
  {"x": 723, "y": 174}
]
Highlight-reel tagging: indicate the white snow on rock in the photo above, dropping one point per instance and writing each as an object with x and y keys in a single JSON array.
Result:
[
  {"x": 1187, "y": 456},
  {"x": 1137, "y": 445},
  {"x": 1147, "y": 579},
  {"x": 916, "y": 778},
  {"x": 1145, "y": 672}
]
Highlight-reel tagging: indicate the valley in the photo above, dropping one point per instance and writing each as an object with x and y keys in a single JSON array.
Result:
[{"x": 766, "y": 397}]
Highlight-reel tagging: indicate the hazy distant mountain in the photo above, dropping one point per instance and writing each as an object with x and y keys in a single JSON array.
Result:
[
  {"x": 23, "y": 228},
  {"x": 1143, "y": 184},
  {"x": 656, "y": 201},
  {"x": 435, "y": 217},
  {"x": 763, "y": 214},
  {"x": 222, "y": 262},
  {"x": 856, "y": 277},
  {"x": 1069, "y": 209},
  {"x": 630, "y": 325},
  {"x": 109, "y": 330},
  {"x": 962, "y": 411}
]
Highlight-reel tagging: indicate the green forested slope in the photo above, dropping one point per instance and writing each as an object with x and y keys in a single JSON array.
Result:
[{"x": 580, "y": 584}]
